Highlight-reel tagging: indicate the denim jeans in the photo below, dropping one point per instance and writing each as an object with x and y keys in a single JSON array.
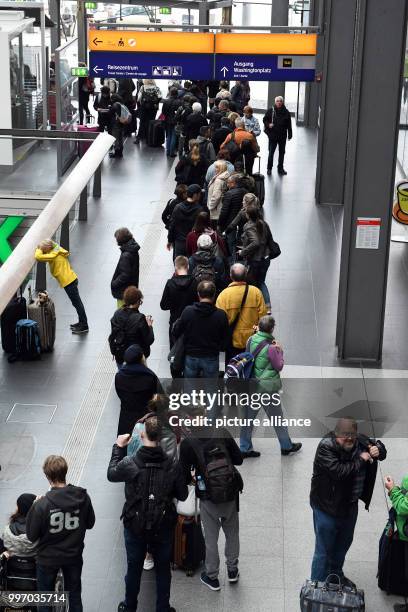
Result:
[
  {"x": 245, "y": 438},
  {"x": 171, "y": 140},
  {"x": 73, "y": 294},
  {"x": 201, "y": 367},
  {"x": 334, "y": 537},
  {"x": 46, "y": 577},
  {"x": 160, "y": 547},
  {"x": 258, "y": 271},
  {"x": 231, "y": 239}
]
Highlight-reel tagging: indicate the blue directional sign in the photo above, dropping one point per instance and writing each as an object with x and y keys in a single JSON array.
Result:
[
  {"x": 265, "y": 67},
  {"x": 135, "y": 65}
]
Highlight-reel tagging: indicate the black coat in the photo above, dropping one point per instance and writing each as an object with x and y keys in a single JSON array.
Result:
[
  {"x": 169, "y": 110},
  {"x": 282, "y": 123},
  {"x": 127, "y": 269},
  {"x": 135, "y": 385},
  {"x": 182, "y": 220},
  {"x": 334, "y": 471},
  {"x": 188, "y": 173},
  {"x": 219, "y": 136},
  {"x": 179, "y": 292},
  {"x": 193, "y": 124},
  {"x": 231, "y": 205},
  {"x": 215, "y": 115},
  {"x": 205, "y": 329},
  {"x": 136, "y": 329}
]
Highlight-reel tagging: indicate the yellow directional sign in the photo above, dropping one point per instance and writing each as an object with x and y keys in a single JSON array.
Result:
[
  {"x": 153, "y": 42},
  {"x": 266, "y": 44}
]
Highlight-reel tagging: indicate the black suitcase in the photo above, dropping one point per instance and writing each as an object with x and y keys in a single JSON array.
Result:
[
  {"x": 189, "y": 546},
  {"x": 155, "y": 133},
  {"x": 259, "y": 184},
  {"x": 15, "y": 310},
  {"x": 392, "y": 560}
]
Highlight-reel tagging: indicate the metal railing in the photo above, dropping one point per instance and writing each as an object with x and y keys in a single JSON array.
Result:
[{"x": 55, "y": 214}]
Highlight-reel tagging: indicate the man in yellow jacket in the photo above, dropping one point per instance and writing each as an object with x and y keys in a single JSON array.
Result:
[
  {"x": 57, "y": 257},
  {"x": 241, "y": 316}
]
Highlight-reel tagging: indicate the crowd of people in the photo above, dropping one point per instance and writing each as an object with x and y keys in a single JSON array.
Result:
[{"x": 218, "y": 303}]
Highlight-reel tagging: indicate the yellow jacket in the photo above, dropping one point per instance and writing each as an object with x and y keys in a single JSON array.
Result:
[
  {"x": 230, "y": 300},
  {"x": 59, "y": 264}
]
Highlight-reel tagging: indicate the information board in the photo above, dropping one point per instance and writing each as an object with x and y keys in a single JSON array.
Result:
[{"x": 264, "y": 67}]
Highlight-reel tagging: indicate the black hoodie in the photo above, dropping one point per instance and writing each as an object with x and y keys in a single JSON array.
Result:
[
  {"x": 59, "y": 521},
  {"x": 182, "y": 220},
  {"x": 205, "y": 330},
  {"x": 179, "y": 292},
  {"x": 127, "y": 270}
]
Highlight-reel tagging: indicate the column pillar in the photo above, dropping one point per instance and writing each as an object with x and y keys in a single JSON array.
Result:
[
  {"x": 312, "y": 90},
  {"x": 279, "y": 17},
  {"x": 378, "y": 63},
  {"x": 82, "y": 28}
]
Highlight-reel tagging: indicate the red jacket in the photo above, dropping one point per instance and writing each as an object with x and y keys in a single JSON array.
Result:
[{"x": 192, "y": 237}]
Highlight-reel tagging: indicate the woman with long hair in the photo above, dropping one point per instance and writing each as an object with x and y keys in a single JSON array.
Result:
[
  {"x": 202, "y": 225},
  {"x": 14, "y": 536},
  {"x": 192, "y": 168},
  {"x": 256, "y": 249},
  {"x": 217, "y": 187}
]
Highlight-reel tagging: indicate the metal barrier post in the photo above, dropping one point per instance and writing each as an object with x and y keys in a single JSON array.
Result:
[
  {"x": 97, "y": 182},
  {"x": 83, "y": 204},
  {"x": 40, "y": 277}
]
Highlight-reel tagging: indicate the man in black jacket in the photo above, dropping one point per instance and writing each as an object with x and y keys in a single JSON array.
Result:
[
  {"x": 220, "y": 134},
  {"x": 215, "y": 115},
  {"x": 206, "y": 333},
  {"x": 182, "y": 221},
  {"x": 344, "y": 471},
  {"x": 149, "y": 516},
  {"x": 278, "y": 127},
  {"x": 169, "y": 110},
  {"x": 231, "y": 205},
  {"x": 180, "y": 291},
  {"x": 127, "y": 269},
  {"x": 59, "y": 520}
]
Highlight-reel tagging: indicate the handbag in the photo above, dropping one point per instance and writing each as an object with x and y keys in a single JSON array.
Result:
[
  {"x": 190, "y": 506},
  {"x": 331, "y": 596}
]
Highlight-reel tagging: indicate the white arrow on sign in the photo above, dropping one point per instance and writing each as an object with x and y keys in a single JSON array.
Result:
[
  {"x": 96, "y": 69},
  {"x": 224, "y": 70}
]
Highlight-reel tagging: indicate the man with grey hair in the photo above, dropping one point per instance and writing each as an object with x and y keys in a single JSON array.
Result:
[
  {"x": 215, "y": 115},
  {"x": 278, "y": 128},
  {"x": 241, "y": 144},
  {"x": 344, "y": 471},
  {"x": 194, "y": 122},
  {"x": 244, "y": 306}
]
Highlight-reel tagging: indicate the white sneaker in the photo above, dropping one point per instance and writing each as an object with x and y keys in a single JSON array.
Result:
[{"x": 148, "y": 564}]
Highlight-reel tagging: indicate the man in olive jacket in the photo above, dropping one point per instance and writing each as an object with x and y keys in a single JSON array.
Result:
[{"x": 344, "y": 471}]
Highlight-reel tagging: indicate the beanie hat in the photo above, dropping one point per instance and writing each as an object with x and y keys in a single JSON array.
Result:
[
  {"x": 24, "y": 503},
  {"x": 204, "y": 242},
  {"x": 133, "y": 354},
  {"x": 192, "y": 189}
]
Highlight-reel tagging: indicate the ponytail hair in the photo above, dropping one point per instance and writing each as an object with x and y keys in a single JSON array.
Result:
[
  {"x": 194, "y": 152},
  {"x": 254, "y": 214}
]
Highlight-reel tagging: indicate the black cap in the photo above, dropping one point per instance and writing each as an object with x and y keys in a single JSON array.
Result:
[
  {"x": 24, "y": 503},
  {"x": 133, "y": 354},
  {"x": 192, "y": 189}
]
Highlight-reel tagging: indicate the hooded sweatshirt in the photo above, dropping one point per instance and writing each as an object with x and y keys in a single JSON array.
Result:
[
  {"x": 205, "y": 330},
  {"x": 399, "y": 501},
  {"x": 179, "y": 292},
  {"x": 15, "y": 538},
  {"x": 59, "y": 521},
  {"x": 182, "y": 220},
  {"x": 59, "y": 264},
  {"x": 127, "y": 270},
  {"x": 206, "y": 259}
]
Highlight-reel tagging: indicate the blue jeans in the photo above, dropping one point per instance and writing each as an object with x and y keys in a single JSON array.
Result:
[
  {"x": 334, "y": 537},
  {"x": 245, "y": 438},
  {"x": 46, "y": 577},
  {"x": 258, "y": 271},
  {"x": 171, "y": 140},
  {"x": 160, "y": 547},
  {"x": 73, "y": 294},
  {"x": 201, "y": 367}
]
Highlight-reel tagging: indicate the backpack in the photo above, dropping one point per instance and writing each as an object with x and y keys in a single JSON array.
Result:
[
  {"x": 241, "y": 366},
  {"x": 125, "y": 116},
  {"x": 28, "y": 344},
  {"x": 118, "y": 342},
  {"x": 232, "y": 148},
  {"x": 148, "y": 498},
  {"x": 222, "y": 480},
  {"x": 204, "y": 271},
  {"x": 150, "y": 99}
]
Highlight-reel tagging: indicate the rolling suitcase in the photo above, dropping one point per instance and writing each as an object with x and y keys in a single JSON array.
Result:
[
  {"x": 330, "y": 597},
  {"x": 392, "y": 560},
  {"x": 15, "y": 310},
  {"x": 189, "y": 547},
  {"x": 83, "y": 145},
  {"x": 155, "y": 133},
  {"x": 259, "y": 184},
  {"x": 42, "y": 310}
]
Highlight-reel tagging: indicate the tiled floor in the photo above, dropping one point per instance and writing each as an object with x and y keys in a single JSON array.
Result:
[{"x": 276, "y": 525}]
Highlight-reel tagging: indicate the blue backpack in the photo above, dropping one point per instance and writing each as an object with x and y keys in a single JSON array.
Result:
[
  {"x": 28, "y": 344},
  {"x": 241, "y": 366}
]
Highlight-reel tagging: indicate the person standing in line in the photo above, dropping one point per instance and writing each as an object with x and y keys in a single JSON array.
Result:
[
  {"x": 240, "y": 95},
  {"x": 194, "y": 122},
  {"x": 217, "y": 188},
  {"x": 220, "y": 134},
  {"x": 102, "y": 104},
  {"x": 57, "y": 257},
  {"x": 201, "y": 226},
  {"x": 232, "y": 203},
  {"x": 148, "y": 100},
  {"x": 251, "y": 122},
  {"x": 192, "y": 168},
  {"x": 59, "y": 520},
  {"x": 86, "y": 87},
  {"x": 243, "y": 143},
  {"x": 169, "y": 110},
  {"x": 344, "y": 471},
  {"x": 179, "y": 291},
  {"x": 152, "y": 482},
  {"x": 182, "y": 221},
  {"x": 127, "y": 269},
  {"x": 181, "y": 195},
  {"x": 278, "y": 127}
]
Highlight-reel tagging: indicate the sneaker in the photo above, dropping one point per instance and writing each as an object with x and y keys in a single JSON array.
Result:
[
  {"x": 233, "y": 575},
  {"x": 250, "y": 454},
  {"x": 148, "y": 564},
  {"x": 282, "y": 172},
  {"x": 269, "y": 172},
  {"x": 81, "y": 328},
  {"x": 296, "y": 446},
  {"x": 212, "y": 583},
  {"x": 74, "y": 325}
]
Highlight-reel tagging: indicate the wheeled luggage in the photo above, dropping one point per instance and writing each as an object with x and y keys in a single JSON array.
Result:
[
  {"x": 42, "y": 310},
  {"x": 83, "y": 145},
  {"x": 330, "y": 596},
  {"x": 155, "y": 133},
  {"x": 392, "y": 560},
  {"x": 28, "y": 345},
  {"x": 189, "y": 547},
  {"x": 16, "y": 309},
  {"x": 259, "y": 184}
]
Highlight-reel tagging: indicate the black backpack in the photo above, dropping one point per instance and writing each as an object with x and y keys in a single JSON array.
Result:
[
  {"x": 118, "y": 342},
  {"x": 150, "y": 99},
  {"x": 204, "y": 271},
  {"x": 222, "y": 480},
  {"x": 149, "y": 498}
]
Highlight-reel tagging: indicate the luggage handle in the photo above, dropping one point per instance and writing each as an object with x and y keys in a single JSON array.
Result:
[{"x": 330, "y": 586}]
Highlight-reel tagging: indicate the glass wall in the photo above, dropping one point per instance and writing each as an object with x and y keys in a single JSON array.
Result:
[{"x": 403, "y": 132}]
